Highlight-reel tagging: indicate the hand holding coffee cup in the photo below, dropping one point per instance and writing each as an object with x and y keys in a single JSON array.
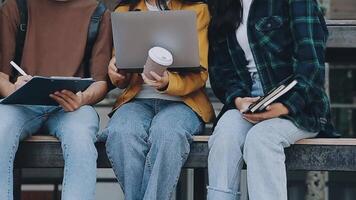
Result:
[{"x": 158, "y": 60}]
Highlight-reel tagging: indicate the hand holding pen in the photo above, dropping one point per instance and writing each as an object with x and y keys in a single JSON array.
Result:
[{"x": 23, "y": 79}]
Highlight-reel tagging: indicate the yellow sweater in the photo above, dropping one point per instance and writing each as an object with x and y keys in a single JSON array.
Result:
[{"x": 189, "y": 86}]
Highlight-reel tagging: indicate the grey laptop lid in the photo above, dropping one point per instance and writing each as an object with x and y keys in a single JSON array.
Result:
[{"x": 136, "y": 32}]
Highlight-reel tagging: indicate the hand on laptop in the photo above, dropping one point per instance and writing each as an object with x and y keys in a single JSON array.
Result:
[
  {"x": 68, "y": 100},
  {"x": 118, "y": 77},
  {"x": 160, "y": 82},
  {"x": 272, "y": 111},
  {"x": 21, "y": 81}
]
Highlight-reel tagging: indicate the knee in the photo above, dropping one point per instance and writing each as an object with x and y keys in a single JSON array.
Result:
[
  {"x": 170, "y": 138},
  {"x": 229, "y": 134},
  {"x": 121, "y": 134},
  {"x": 79, "y": 145},
  {"x": 261, "y": 142},
  {"x": 83, "y": 151},
  {"x": 226, "y": 140}
]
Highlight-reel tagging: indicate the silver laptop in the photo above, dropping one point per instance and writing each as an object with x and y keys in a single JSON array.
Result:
[{"x": 136, "y": 32}]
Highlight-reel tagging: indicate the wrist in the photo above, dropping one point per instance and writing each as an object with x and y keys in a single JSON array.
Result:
[{"x": 85, "y": 98}]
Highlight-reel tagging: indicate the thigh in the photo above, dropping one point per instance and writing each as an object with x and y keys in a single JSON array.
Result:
[
  {"x": 278, "y": 131},
  {"x": 132, "y": 117},
  {"x": 231, "y": 128},
  {"x": 176, "y": 117},
  {"x": 80, "y": 124},
  {"x": 19, "y": 121}
]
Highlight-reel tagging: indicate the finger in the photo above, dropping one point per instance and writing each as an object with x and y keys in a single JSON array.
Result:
[
  {"x": 255, "y": 117},
  {"x": 156, "y": 76},
  {"x": 112, "y": 67},
  {"x": 268, "y": 108},
  {"x": 252, "y": 99},
  {"x": 115, "y": 76},
  {"x": 70, "y": 94},
  {"x": 153, "y": 84},
  {"x": 24, "y": 78},
  {"x": 72, "y": 102},
  {"x": 251, "y": 121},
  {"x": 65, "y": 105},
  {"x": 144, "y": 77}
]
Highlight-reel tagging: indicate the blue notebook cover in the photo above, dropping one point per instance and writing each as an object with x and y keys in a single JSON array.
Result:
[{"x": 38, "y": 89}]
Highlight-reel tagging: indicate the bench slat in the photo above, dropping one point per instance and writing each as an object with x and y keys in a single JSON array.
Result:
[{"x": 205, "y": 138}]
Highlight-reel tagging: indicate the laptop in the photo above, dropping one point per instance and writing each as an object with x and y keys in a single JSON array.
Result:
[{"x": 136, "y": 32}]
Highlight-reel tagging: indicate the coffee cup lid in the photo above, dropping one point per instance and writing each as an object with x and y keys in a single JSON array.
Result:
[{"x": 161, "y": 56}]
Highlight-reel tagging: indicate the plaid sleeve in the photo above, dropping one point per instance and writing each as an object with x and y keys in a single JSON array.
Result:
[
  {"x": 225, "y": 81},
  {"x": 309, "y": 33}
]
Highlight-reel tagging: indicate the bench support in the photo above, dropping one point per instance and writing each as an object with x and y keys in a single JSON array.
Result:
[
  {"x": 317, "y": 185},
  {"x": 200, "y": 183},
  {"x": 17, "y": 184}
]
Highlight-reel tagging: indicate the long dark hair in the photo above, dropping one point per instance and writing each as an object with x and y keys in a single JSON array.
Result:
[
  {"x": 162, "y": 4},
  {"x": 226, "y": 17}
]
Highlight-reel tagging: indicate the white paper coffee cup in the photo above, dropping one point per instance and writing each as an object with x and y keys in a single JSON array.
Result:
[{"x": 158, "y": 60}]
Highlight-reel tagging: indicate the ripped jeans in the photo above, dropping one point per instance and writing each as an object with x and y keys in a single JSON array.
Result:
[
  {"x": 77, "y": 132},
  {"x": 148, "y": 142},
  {"x": 261, "y": 146}
]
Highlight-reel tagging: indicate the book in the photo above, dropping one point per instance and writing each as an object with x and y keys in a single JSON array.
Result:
[
  {"x": 38, "y": 89},
  {"x": 273, "y": 95}
]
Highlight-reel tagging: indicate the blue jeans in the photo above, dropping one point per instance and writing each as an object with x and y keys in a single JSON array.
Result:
[
  {"x": 148, "y": 141},
  {"x": 260, "y": 145},
  {"x": 77, "y": 133}
]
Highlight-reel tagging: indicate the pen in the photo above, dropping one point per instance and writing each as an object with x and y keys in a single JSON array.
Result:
[{"x": 23, "y": 73}]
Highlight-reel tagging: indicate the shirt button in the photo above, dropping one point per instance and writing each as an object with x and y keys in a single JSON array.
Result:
[{"x": 269, "y": 25}]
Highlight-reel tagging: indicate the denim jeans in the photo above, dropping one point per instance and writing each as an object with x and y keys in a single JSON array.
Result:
[
  {"x": 148, "y": 141},
  {"x": 260, "y": 145},
  {"x": 77, "y": 133}
]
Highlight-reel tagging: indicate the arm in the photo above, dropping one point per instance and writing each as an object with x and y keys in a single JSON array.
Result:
[
  {"x": 310, "y": 35},
  {"x": 95, "y": 93},
  {"x": 225, "y": 81},
  {"x": 9, "y": 20},
  {"x": 181, "y": 84}
]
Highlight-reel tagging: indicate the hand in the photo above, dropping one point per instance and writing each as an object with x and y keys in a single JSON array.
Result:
[
  {"x": 272, "y": 111},
  {"x": 21, "y": 81},
  {"x": 160, "y": 82},
  {"x": 242, "y": 104},
  {"x": 118, "y": 78},
  {"x": 68, "y": 100}
]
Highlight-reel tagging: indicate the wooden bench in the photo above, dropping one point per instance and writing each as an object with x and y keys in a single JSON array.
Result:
[{"x": 309, "y": 154}]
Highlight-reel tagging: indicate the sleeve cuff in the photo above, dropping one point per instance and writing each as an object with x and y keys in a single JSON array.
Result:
[
  {"x": 294, "y": 102},
  {"x": 231, "y": 96}
]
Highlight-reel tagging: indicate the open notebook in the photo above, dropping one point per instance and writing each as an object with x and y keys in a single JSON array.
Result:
[{"x": 38, "y": 89}]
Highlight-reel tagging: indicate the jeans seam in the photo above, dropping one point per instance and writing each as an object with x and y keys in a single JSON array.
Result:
[
  {"x": 238, "y": 171},
  {"x": 13, "y": 152},
  {"x": 184, "y": 157},
  {"x": 114, "y": 168}
]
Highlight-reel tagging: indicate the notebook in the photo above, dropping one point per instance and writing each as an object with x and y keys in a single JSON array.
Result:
[
  {"x": 38, "y": 89},
  {"x": 271, "y": 96}
]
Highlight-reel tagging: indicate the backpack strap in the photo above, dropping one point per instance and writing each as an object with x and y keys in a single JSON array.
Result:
[
  {"x": 93, "y": 32},
  {"x": 21, "y": 31}
]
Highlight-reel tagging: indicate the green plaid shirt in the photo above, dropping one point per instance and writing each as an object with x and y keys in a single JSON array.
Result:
[{"x": 287, "y": 37}]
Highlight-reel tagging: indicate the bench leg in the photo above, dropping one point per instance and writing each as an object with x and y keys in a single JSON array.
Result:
[
  {"x": 181, "y": 191},
  {"x": 17, "y": 184},
  {"x": 200, "y": 183},
  {"x": 317, "y": 185}
]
